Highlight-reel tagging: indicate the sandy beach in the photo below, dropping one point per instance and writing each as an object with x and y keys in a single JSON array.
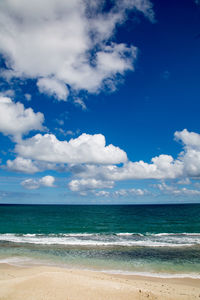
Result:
[{"x": 45, "y": 282}]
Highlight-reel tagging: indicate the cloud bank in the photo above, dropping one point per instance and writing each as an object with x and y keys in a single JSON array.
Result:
[
  {"x": 161, "y": 167},
  {"x": 84, "y": 149},
  {"x": 93, "y": 164}
]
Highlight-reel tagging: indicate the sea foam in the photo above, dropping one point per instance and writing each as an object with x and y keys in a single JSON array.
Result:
[{"x": 117, "y": 239}]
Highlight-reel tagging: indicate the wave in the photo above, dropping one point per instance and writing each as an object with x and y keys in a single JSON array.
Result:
[
  {"x": 129, "y": 234},
  {"x": 182, "y": 234},
  {"x": 117, "y": 239}
]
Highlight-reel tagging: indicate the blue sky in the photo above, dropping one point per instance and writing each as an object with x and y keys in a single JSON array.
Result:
[{"x": 99, "y": 102}]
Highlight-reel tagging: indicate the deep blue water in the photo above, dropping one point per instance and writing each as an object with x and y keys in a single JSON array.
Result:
[
  {"x": 99, "y": 219},
  {"x": 136, "y": 238}
]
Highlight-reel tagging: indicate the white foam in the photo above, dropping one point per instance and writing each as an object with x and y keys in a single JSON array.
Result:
[
  {"x": 175, "y": 234},
  {"x": 129, "y": 234},
  {"x": 120, "y": 239},
  {"x": 124, "y": 234},
  {"x": 77, "y": 234},
  {"x": 16, "y": 261},
  {"x": 98, "y": 240},
  {"x": 157, "y": 275}
]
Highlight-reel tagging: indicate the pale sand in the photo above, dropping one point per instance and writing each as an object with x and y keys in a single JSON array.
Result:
[{"x": 47, "y": 283}]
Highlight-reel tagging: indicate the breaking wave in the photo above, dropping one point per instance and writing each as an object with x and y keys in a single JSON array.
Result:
[{"x": 114, "y": 239}]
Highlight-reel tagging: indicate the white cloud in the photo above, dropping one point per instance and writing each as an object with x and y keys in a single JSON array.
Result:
[
  {"x": 92, "y": 185},
  {"x": 184, "y": 181},
  {"x": 189, "y": 139},
  {"x": 8, "y": 93},
  {"x": 102, "y": 194},
  {"x": 31, "y": 184},
  {"x": 177, "y": 192},
  {"x": 163, "y": 166},
  {"x": 27, "y": 97},
  {"x": 26, "y": 165},
  {"x": 191, "y": 154},
  {"x": 53, "y": 87},
  {"x": 80, "y": 103},
  {"x": 129, "y": 192},
  {"x": 68, "y": 41},
  {"x": 16, "y": 120},
  {"x": 94, "y": 165},
  {"x": 191, "y": 160},
  {"x": 47, "y": 181},
  {"x": 85, "y": 185},
  {"x": 21, "y": 164},
  {"x": 121, "y": 193},
  {"x": 84, "y": 149}
]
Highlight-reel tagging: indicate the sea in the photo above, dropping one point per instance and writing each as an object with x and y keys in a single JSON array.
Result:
[{"x": 152, "y": 240}]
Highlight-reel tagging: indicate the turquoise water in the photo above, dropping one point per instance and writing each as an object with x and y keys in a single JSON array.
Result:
[{"x": 163, "y": 240}]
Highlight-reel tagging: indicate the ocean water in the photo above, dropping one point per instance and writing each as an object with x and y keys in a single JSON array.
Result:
[{"x": 156, "y": 240}]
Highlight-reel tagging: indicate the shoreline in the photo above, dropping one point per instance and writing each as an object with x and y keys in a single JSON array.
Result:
[
  {"x": 26, "y": 261},
  {"x": 49, "y": 282}
]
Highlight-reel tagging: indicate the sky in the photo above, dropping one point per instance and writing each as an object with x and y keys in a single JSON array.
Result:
[{"x": 99, "y": 102}]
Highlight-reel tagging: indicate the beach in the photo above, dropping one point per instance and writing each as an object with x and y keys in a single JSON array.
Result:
[
  {"x": 100, "y": 150},
  {"x": 44, "y": 282}
]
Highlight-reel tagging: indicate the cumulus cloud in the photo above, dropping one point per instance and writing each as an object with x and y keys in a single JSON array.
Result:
[
  {"x": 85, "y": 185},
  {"x": 66, "y": 42},
  {"x": 25, "y": 165},
  {"x": 190, "y": 157},
  {"x": 16, "y": 120},
  {"x": 84, "y": 149},
  {"x": 95, "y": 166},
  {"x": 21, "y": 164},
  {"x": 189, "y": 139},
  {"x": 163, "y": 166},
  {"x": 53, "y": 87},
  {"x": 47, "y": 181},
  {"x": 176, "y": 191},
  {"x": 130, "y": 192},
  {"x": 32, "y": 184},
  {"x": 102, "y": 193}
]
